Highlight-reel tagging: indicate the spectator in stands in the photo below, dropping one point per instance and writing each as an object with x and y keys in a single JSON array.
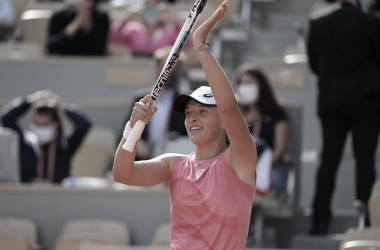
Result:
[
  {"x": 270, "y": 121},
  {"x": 80, "y": 29},
  {"x": 45, "y": 153},
  {"x": 7, "y": 17},
  {"x": 167, "y": 121},
  {"x": 157, "y": 30},
  {"x": 344, "y": 53}
]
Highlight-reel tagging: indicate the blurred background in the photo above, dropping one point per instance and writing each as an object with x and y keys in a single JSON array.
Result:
[{"x": 70, "y": 72}]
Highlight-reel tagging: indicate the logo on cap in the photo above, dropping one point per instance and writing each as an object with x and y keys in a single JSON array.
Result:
[{"x": 208, "y": 95}]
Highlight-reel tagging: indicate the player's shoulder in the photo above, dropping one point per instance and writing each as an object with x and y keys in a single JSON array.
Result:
[{"x": 172, "y": 158}]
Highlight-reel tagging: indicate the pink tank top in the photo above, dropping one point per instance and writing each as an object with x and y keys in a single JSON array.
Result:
[{"x": 210, "y": 206}]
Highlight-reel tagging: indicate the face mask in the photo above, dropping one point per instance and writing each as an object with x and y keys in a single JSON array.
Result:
[
  {"x": 249, "y": 93},
  {"x": 151, "y": 15},
  {"x": 45, "y": 134}
]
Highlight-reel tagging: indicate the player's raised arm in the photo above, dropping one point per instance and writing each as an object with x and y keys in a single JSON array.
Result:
[
  {"x": 241, "y": 156},
  {"x": 141, "y": 173}
]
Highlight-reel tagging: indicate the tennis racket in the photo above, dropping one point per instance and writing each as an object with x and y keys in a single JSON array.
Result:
[{"x": 178, "y": 46}]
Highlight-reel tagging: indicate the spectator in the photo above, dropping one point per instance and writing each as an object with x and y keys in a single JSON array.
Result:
[
  {"x": 344, "y": 53},
  {"x": 80, "y": 29},
  {"x": 45, "y": 152},
  {"x": 155, "y": 31},
  {"x": 270, "y": 121},
  {"x": 155, "y": 134}
]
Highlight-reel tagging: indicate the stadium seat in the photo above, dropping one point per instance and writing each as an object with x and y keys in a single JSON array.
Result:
[
  {"x": 365, "y": 239},
  {"x": 12, "y": 243},
  {"x": 45, "y": 5},
  {"x": 102, "y": 136},
  {"x": 161, "y": 236},
  {"x": 9, "y": 155},
  {"x": 34, "y": 24},
  {"x": 21, "y": 228},
  {"x": 107, "y": 230},
  {"x": 19, "y": 7},
  {"x": 22, "y": 51},
  {"x": 95, "y": 153},
  {"x": 76, "y": 244},
  {"x": 374, "y": 205},
  {"x": 90, "y": 161}
]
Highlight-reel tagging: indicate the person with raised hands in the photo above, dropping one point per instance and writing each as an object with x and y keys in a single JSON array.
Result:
[
  {"x": 45, "y": 150},
  {"x": 212, "y": 189}
]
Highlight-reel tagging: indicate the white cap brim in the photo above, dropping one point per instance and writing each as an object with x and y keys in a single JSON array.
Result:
[{"x": 202, "y": 95}]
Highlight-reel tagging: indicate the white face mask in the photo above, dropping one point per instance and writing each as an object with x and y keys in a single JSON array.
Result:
[
  {"x": 249, "y": 93},
  {"x": 45, "y": 134}
]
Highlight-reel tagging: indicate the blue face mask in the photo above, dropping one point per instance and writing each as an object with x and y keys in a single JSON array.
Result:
[{"x": 151, "y": 15}]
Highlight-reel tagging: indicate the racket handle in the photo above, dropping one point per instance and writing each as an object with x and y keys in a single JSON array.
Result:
[{"x": 135, "y": 134}]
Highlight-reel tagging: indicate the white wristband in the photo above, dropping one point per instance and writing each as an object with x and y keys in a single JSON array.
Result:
[{"x": 127, "y": 130}]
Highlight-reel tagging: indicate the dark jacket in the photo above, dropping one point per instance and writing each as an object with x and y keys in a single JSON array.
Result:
[
  {"x": 66, "y": 147},
  {"x": 344, "y": 52},
  {"x": 92, "y": 42}
]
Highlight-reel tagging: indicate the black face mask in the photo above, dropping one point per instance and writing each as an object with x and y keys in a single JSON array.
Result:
[{"x": 171, "y": 82}]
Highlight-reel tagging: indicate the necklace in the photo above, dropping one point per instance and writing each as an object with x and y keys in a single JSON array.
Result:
[{"x": 203, "y": 159}]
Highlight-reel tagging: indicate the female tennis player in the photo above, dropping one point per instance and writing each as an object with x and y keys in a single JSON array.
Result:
[{"x": 211, "y": 190}]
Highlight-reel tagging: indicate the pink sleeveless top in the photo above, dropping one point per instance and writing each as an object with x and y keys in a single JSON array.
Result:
[{"x": 210, "y": 206}]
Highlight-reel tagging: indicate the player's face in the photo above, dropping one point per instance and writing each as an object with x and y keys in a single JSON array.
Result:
[{"x": 203, "y": 123}]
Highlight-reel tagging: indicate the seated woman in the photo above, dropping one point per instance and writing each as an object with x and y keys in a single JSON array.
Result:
[
  {"x": 270, "y": 121},
  {"x": 45, "y": 153},
  {"x": 155, "y": 30},
  {"x": 80, "y": 29}
]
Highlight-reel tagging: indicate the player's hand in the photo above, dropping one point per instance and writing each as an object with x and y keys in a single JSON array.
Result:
[
  {"x": 200, "y": 35},
  {"x": 143, "y": 110}
]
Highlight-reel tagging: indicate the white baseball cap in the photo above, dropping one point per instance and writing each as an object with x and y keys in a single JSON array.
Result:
[{"x": 203, "y": 95}]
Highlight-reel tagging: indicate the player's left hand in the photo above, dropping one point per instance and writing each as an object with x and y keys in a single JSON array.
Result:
[{"x": 200, "y": 35}]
